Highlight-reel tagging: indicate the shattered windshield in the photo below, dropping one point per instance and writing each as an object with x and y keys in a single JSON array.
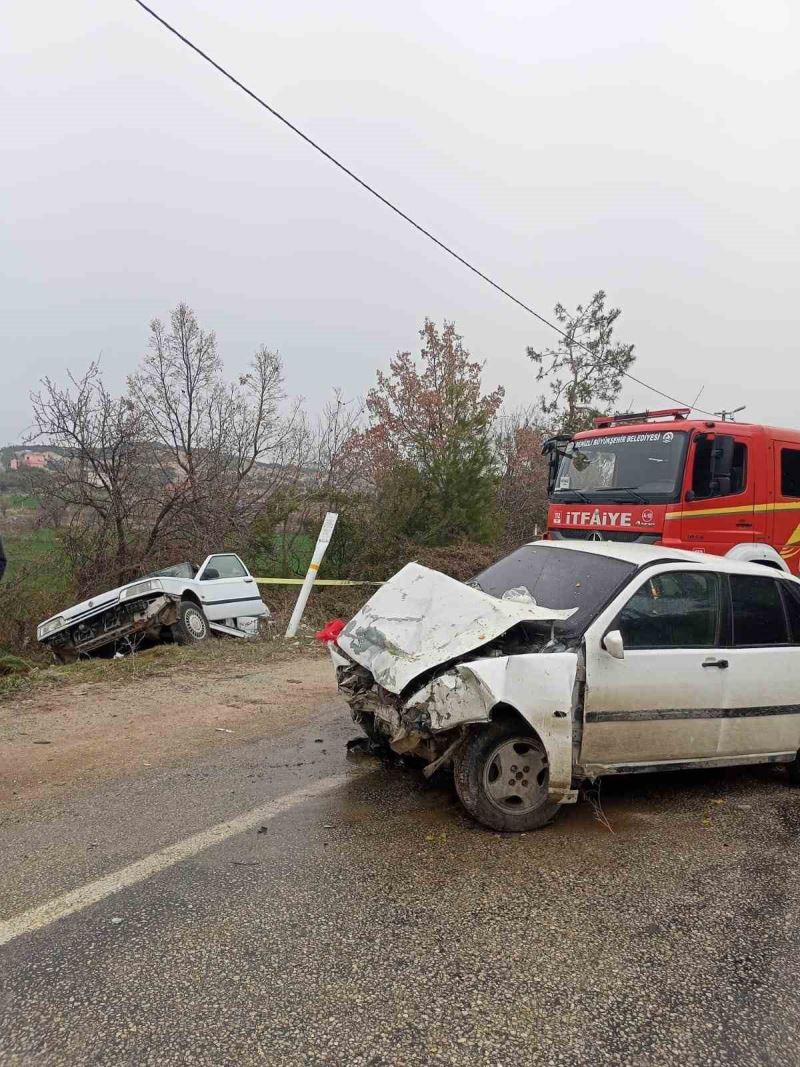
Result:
[
  {"x": 623, "y": 467},
  {"x": 177, "y": 570},
  {"x": 557, "y": 578}
]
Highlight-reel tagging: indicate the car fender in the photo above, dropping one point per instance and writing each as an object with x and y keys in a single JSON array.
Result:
[
  {"x": 540, "y": 686},
  {"x": 190, "y": 593}
]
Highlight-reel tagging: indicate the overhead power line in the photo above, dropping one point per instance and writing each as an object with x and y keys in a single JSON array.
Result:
[{"x": 393, "y": 207}]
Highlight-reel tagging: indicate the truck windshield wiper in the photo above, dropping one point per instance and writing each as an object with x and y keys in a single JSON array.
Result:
[
  {"x": 624, "y": 489},
  {"x": 577, "y": 492}
]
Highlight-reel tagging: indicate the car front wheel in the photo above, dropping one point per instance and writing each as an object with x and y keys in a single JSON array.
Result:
[
  {"x": 191, "y": 625},
  {"x": 502, "y": 777}
]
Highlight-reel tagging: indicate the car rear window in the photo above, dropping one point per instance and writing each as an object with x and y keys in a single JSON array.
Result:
[
  {"x": 758, "y": 615},
  {"x": 558, "y": 578}
]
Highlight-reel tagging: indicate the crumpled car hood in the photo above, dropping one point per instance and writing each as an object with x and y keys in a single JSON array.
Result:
[
  {"x": 98, "y": 602},
  {"x": 102, "y": 600},
  {"x": 421, "y": 619}
]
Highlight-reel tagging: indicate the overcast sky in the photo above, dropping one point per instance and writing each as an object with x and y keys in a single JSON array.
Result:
[{"x": 647, "y": 149}]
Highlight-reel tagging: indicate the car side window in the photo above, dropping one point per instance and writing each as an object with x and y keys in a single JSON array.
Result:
[
  {"x": 227, "y": 566},
  {"x": 679, "y": 609},
  {"x": 791, "y": 598},
  {"x": 758, "y": 615}
]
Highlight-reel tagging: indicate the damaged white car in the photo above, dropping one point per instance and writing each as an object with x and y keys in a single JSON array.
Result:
[
  {"x": 184, "y": 602},
  {"x": 565, "y": 662}
]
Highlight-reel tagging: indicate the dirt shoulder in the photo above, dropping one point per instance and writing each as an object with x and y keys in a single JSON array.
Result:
[{"x": 56, "y": 739}]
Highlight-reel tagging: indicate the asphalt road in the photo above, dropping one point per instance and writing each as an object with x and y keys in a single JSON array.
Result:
[{"x": 377, "y": 925}]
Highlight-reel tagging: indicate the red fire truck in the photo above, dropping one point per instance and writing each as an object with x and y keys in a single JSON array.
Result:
[{"x": 660, "y": 477}]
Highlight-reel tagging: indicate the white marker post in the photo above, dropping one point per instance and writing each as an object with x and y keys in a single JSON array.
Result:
[{"x": 324, "y": 539}]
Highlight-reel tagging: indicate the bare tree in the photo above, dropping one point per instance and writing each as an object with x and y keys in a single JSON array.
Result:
[
  {"x": 100, "y": 485},
  {"x": 223, "y": 448},
  {"x": 179, "y": 465}
]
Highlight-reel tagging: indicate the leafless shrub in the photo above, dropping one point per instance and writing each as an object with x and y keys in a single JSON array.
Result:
[
  {"x": 327, "y": 479},
  {"x": 461, "y": 561},
  {"x": 592, "y": 794},
  {"x": 101, "y": 482}
]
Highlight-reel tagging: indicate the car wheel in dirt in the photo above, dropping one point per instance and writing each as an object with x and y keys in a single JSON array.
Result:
[
  {"x": 192, "y": 625},
  {"x": 502, "y": 776},
  {"x": 793, "y": 770}
]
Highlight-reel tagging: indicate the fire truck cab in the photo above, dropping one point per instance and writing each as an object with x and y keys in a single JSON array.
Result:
[{"x": 659, "y": 477}]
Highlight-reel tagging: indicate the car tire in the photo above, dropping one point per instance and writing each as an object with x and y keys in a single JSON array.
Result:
[
  {"x": 793, "y": 770},
  {"x": 191, "y": 625},
  {"x": 501, "y": 776}
]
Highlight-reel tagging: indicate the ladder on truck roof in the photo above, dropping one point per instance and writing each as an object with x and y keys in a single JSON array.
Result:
[{"x": 678, "y": 414}]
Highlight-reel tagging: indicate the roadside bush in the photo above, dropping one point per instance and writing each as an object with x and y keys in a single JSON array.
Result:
[
  {"x": 462, "y": 561},
  {"x": 325, "y": 603},
  {"x": 25, "y": 600}
]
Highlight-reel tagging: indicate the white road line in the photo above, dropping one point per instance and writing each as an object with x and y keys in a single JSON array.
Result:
[{"x": 78, "y": 899}]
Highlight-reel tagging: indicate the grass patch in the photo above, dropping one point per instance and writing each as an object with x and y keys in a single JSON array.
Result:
[
  {"x": 18, "y": 501},
  {"x": 14, "y": 665},
  {"x": 212, "y": 657}
]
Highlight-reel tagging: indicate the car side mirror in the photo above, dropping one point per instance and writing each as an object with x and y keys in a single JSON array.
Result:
[
  {"x": 209, "y": 574},
  {"x": 614, "y": 645}
]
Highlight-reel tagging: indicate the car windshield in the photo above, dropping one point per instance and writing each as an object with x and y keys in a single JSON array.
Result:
[
  {"x": 623, "y": 467},
  {"x": 558, "y": 578},
  {"x": 177, "y": 570}
]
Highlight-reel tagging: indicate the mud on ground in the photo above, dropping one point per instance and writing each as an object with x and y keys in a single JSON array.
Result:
[{"x": 59, "y": 737}]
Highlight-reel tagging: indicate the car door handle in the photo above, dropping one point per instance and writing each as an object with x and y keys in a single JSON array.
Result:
[
  {"x": 744, "y": 525},
  {"x": 721, "y": 663},
  {"x": 249, "y": 579}
]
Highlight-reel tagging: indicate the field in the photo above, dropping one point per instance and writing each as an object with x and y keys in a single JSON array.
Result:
[
  {"x": 36, "y": 553},
  {"x": 14, "y": 501}
]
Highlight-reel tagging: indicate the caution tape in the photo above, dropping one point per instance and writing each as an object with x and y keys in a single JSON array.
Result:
[{"x": 318, "y": 581}]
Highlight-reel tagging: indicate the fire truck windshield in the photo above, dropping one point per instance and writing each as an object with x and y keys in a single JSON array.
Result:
[{"x": 647, "y": 466}]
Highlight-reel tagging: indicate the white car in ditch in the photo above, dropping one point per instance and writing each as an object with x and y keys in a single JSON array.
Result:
[
  {"x": 566, "y": 662},
  {"x": 185, "y": 601}
]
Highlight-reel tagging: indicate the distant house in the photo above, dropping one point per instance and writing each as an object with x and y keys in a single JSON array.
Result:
[{"x": 32, "y": 460}]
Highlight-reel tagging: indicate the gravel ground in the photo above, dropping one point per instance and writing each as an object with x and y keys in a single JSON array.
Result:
[
  {"x": 56, "y": 741},
  {"x": 378, "y": 925}
]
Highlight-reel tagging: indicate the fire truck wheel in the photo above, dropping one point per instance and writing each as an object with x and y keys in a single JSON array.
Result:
[{"x": 192, "y": 625}]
